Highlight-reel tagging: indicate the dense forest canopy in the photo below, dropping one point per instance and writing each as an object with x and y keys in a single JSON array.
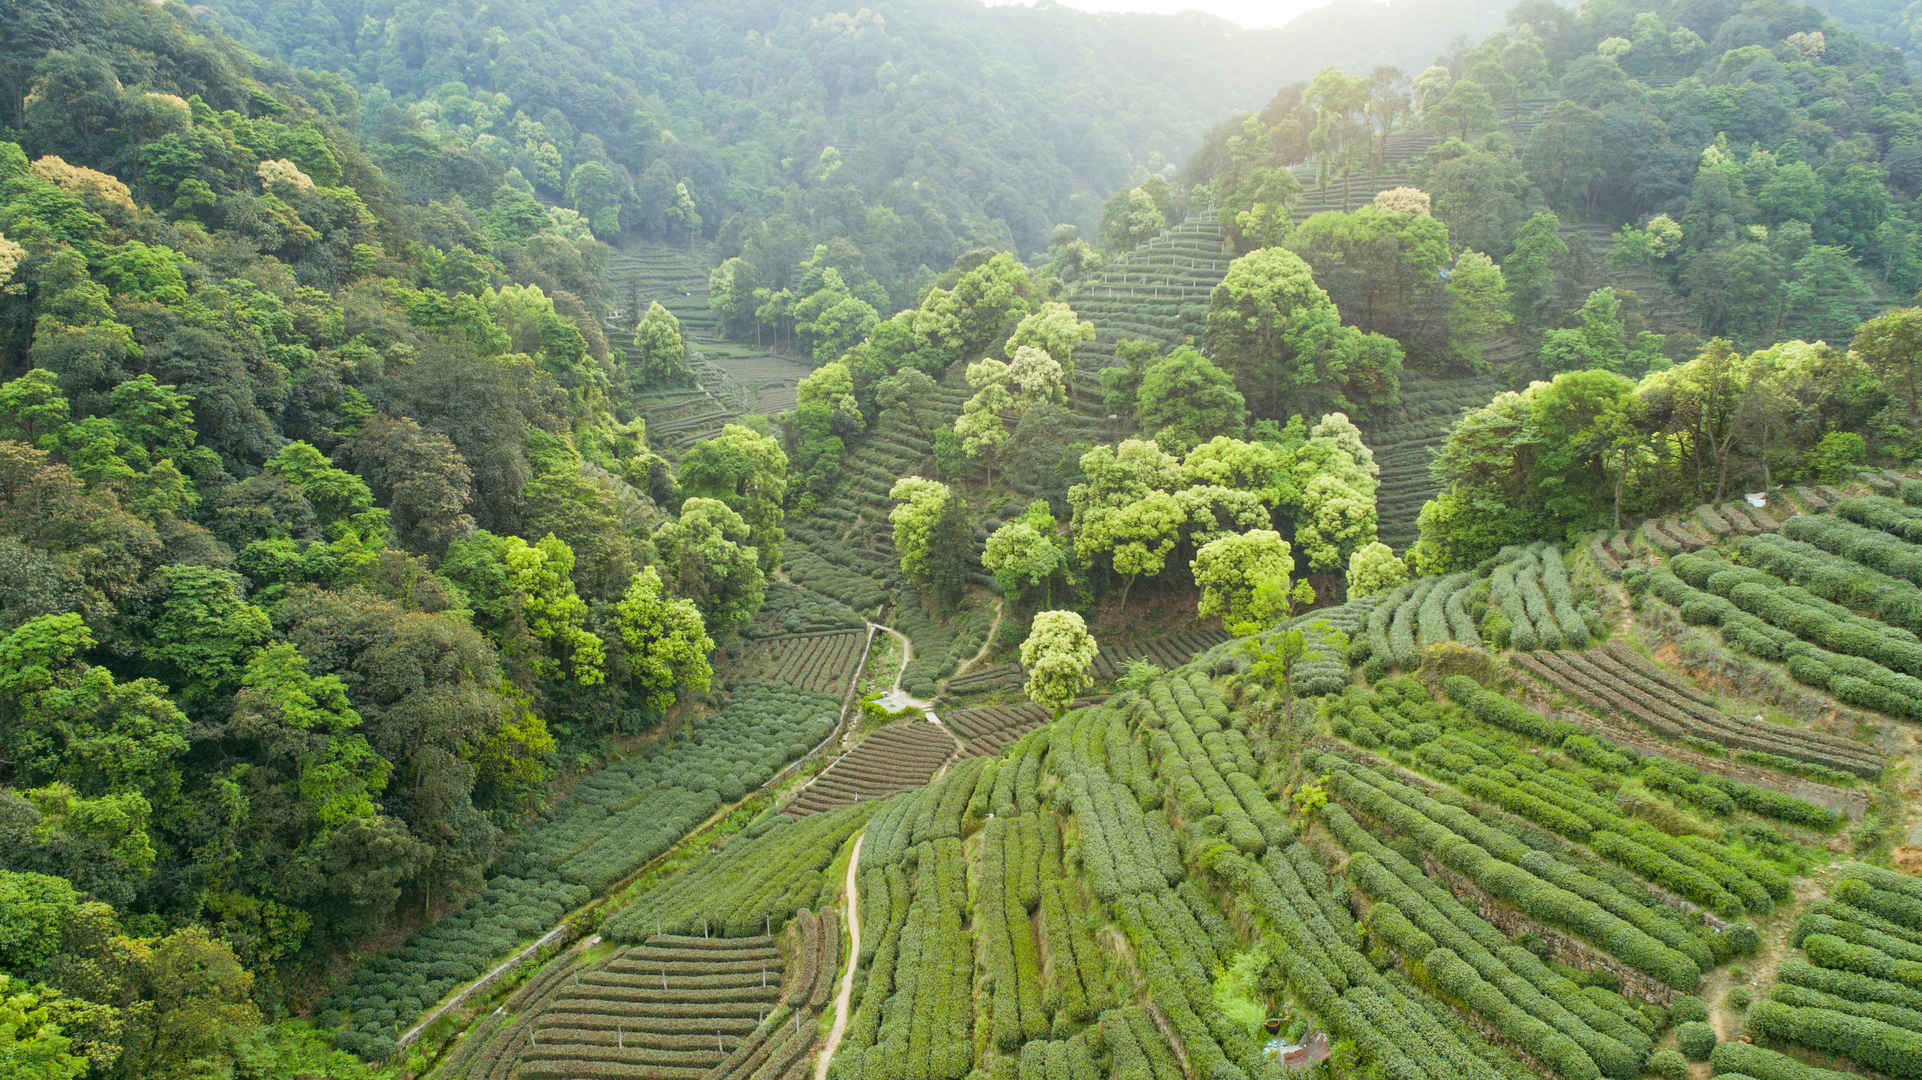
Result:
[{"x": 914, "y": 129}]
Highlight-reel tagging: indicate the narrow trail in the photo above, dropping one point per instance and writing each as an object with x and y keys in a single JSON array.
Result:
[
  {"x": 565, "y": 926},
  {"x": 896, "y": 698},
  {"x": 986, "y": 644},
  {"x": 846, "y": 993},
  {"x": 1759, "y": 969},
  {"x": 481, "y": 984}
]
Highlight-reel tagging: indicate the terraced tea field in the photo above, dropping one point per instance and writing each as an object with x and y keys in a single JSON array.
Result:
[
  {"x": 989, "y": 729},
  {"x": 1158, "y": 292},
  {"x": 1615, "y": 679},
  {"x": 1407, "y": 441},
  {"x": 670, "y": 1009},
  {"x": 896, "y": 758},
  {"x": 1848, "y": 996},
  {"x": 822, "y": 663},
  {"x": 730, "y": 378},
  {"x": 1163, "y": 650},
  {"x": 1834, "y": 596}
]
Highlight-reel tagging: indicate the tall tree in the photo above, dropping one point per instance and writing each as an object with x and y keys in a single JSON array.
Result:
[
  {"x": 1277, "y": 332},
  {"x": 1058, "y": 654},
  {"x": 707, "y": 556},
  {"x": 1185, "y": 400},
  {"x": 747, "y": 470},
  {"x": 660, "y": 353},
  {"x": 667, "y": 646},
  {"x": 1342, "y": 140},
  {"x": 1244, "y": 579}
]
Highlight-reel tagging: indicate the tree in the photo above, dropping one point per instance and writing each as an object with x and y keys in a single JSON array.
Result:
[
  {"x": 730, "y": 296},
  {"x": 831, "y": 387},
  {"x": 748, "y": 471},
  {"x": 1699, "y": 401},
  {"x": 1035, "y": 378},
  {"x": 660, "y": 353},
  {"x": 1185, "y": 400},
  {"x": 1023, "y": 557},
  {"x": 335, "y": 494},
  {"x": 1342, "y": 138},
  {"x": 1129, "y": 218},
  {"x": 667, "y": 646},
  {"x": 1058, "y": 654},
  {"x": 932, "y": 536},
  {"x": 1254, "y": 194},
  {"x": 1466, "y": 110},
  {"x": 1382, "y": 269},
  {"x": 1479, "y": 192},
  {"x": 1135, "y": 536},
  {"x": 1530, "y": 269},
  {"x": 288, "y": 716},
  {"x": 202, "y": 632},
  {"x": 1121, "y": 382},
  {"x": 1478, "y": 308},
  {"x": 596, "y": 194},
  {"x": 1891, "y": 344},
  {"x": 201, "y": 1004},
  {"x": 1374, "y": 568},
  {"x": 420, "y": 476},
  {"x": 63, "y": 719},
  {"x": 32, "y": 409},
  {"x": 706, "y": 556},
  {"x": 977, "y": 313},
  {"x": 1276, "y": 331},
  {"x": 1244, "y": 579},
  {"x": 1411, "y": 201},
  {"x": 980, "y": 427},
  {"x": 1055, "y": 329},
  {"x": 1274, "y": 657},
  {"x": 32, "y": 1046},
  {"x": 540, "y": 578}
]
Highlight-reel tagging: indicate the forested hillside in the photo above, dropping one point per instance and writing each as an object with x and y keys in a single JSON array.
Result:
[
  {"x": 758, "y": 541},
  {"x": 915, "y": 129}
]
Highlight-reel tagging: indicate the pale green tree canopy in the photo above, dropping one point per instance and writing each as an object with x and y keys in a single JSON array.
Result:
[
  {"x": 1053, "y": 328},
  {"x": 1035, "y": 377},
  {"x": 541, "y": 577},
  {"x": 706, "y": 556},
  {"x": 747, "y": 470},
  {"x": 667, "y": 644},
  {"x": 1058, "y": 653},
  {"x": 919, "y": 503},
  {"x": 1374, "y": 568},
  {"x": 1243, "y": 577},
  {"x": 1021, "y": 557},
  {"x": 1185, "y": 399},
  {"x": 660, "y": 353}
]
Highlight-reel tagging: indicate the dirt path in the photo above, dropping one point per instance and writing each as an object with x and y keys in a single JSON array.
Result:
[
  {"x": 896, "y": 698},
  {"x": 986, "y": 644},
  {"x": 854, "y": 958},
  {"x": 481, "y": 984},
  {"x": 1758, "y": 970}
]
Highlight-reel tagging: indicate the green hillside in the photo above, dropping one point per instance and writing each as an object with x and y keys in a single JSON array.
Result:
[{"x": 766, "y": 541}]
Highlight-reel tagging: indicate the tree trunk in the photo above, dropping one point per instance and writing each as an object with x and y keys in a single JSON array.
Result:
[{"x": 1125, "y": 588}]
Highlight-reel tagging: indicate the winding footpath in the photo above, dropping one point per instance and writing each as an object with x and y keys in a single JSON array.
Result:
[
  {"x": 842, "y": 999},
  {"x": 896, "y": 698}
]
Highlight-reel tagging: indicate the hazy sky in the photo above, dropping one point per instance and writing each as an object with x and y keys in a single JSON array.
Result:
[{"x": 1257, "y": 13}]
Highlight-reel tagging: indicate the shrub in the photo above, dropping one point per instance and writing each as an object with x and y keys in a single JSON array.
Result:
[
  {"x": 1696, "y": 1039},
  {"x": 1668, "y": 1064}
]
